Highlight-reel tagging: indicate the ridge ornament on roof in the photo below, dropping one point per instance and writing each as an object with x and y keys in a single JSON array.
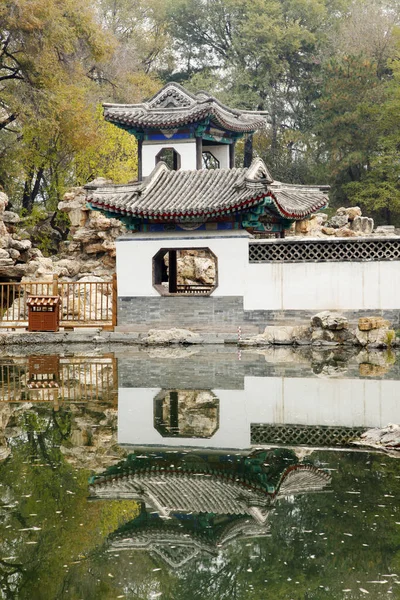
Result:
[
  {"x": 173, "y": 107},
  {"x": 244, "y": 197}
]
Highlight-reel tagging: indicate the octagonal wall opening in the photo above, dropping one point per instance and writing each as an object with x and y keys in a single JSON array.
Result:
[{"x": 185, "y": 271}]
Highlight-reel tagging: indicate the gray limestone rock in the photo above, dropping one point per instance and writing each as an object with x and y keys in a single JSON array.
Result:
[
  {"x": 352, "y": 212},
  {"x": 333, "y": 337},
  {"x": 171, "y": 336},
  {"x": 11, "y": 218},
  {"x": 281, "y": 335},
  {"x": 20, "y": 245},
  {"x": 376, "y": 338},
  {"x": 338, "y": 221},
  {"x": 386, "y": 438},
  {"x": 329, "y": 320},
  {"x": 362, "y": 225}
]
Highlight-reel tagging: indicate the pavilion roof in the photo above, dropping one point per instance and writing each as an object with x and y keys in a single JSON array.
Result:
[
  {"x": 173, "y": 107},
  {"x": 168, "y": 195}
]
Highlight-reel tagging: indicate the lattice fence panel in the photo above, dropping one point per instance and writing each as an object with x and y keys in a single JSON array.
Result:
[
  {"x": 324, "y": 251},
  {"x": 304, "y": 435}
]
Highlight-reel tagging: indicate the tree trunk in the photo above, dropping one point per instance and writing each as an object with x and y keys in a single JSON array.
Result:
[
  {"x": 31, "y": 191},
  {"x": 248, "y": 150},
  {"x": 388, "y": 215}
]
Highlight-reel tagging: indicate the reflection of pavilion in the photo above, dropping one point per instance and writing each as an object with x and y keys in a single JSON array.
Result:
[{"x": 196, "y": 502}]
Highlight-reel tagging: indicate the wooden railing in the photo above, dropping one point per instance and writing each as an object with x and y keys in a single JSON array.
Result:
[
  {"x": 197, "y": 289},
  {"x": 83, "y": 303},
  {"x": 58, "y": 380}
]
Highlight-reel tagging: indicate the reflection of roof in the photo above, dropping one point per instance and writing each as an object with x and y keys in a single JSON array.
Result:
[
  {"x": 171, "y": 491},
  {"x": 175, "y": 195},
  {"x": 193, "y": 503},
  {"x": 173, "y": 107},
  {"x": 177, "y": 545}
]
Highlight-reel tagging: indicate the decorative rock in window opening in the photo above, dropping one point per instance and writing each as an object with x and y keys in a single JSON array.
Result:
[
  {"x": 186, "y": 413},
  {"x": 185, "y": 271},
  {"x": 209, "y": 160}
]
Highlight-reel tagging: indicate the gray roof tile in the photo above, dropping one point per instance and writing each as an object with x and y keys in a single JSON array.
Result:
[
  {"x": 173, "y": 106},
  {"x": 173, "y": 195}
]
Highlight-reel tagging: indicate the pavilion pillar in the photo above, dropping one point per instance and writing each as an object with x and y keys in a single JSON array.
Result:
[
  {"x": 199, "y": 153},
  {"x": 173, "y": 272},
  {"x": 140, "y": 159},
  {"x": 232, "y": 155},
  {"x": 173, "y": 411}
]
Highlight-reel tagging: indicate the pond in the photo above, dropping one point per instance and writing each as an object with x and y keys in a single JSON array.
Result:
[{"x": 203, "y": 473}]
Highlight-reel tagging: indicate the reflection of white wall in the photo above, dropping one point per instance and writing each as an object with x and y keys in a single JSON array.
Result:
[
  {"x": 135, "y": 254},
  {"x": 187, "y": 151},
  {"x": 322, "y": 286},
  {"x": 274, "y": 400},
  {"x": 220, "y": 152}
]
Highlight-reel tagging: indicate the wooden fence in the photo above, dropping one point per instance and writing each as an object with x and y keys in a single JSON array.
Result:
[
  {"x": 59, "y": 380},
  {"x": 83, "y": 303}
]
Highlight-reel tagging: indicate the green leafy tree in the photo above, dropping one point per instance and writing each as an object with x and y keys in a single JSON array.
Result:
[{"x": 379, "y": 190}]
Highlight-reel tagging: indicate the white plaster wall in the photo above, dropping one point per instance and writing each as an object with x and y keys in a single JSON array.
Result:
[
  {"x": 135, "y": 254},
  {"x": 323, "y": 286},
  {"x": 269, "y": 400},
  {"x": 187, "y": 151},
  {"x": 220, "y": 152}
]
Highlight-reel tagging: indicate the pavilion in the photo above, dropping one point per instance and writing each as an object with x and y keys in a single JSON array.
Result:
[{"x": 190, "y": 197}]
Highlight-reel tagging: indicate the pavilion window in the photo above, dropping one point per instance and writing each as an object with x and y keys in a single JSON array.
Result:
[{"x": 171, "y": 157}]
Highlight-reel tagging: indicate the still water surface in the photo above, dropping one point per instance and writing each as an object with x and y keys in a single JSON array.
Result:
[{"x": 197, "y": 473}]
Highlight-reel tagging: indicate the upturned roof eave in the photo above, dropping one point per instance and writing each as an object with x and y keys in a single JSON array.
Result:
[{"x": 297, "y": 215}]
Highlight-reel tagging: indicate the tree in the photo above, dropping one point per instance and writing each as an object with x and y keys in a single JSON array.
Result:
[
  {"x": 379, "y": 188},
  {"x": 263, "y": 55},
  {"x": 51, "y": 134},
  {"x": 45, "y": 48}
]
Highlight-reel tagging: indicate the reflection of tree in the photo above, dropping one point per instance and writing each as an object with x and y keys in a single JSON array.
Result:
[
  {"x": 47, "y": 526},
  {"x": 52, "y": 496}
]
